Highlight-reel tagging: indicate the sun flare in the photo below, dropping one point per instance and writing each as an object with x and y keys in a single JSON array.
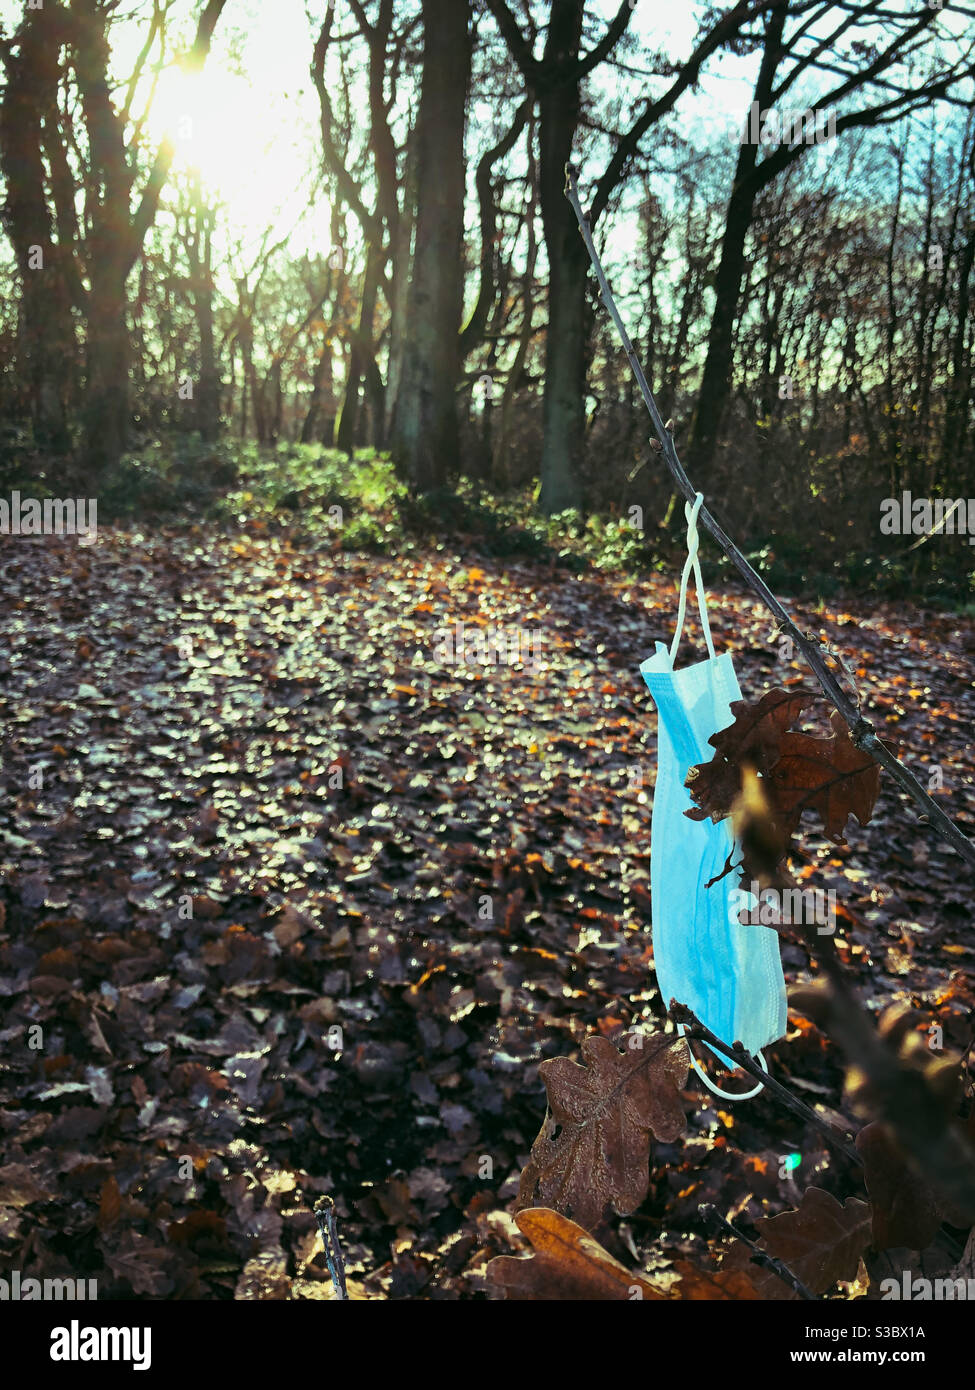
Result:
[{"x": 218, "y": 126}]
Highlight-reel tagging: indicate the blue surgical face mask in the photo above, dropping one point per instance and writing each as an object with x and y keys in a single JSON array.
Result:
[{"x": 727, "y": 973}]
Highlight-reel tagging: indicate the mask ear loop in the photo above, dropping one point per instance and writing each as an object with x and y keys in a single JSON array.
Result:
[
  {"x": 725, "y": 1095},
  {"x": 692, "y": 562}
]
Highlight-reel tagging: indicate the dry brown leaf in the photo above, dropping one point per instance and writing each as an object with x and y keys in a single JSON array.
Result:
[
  {"x": 820, "y": 1242},
  {"x": 790, "y": 772},
  {"x": 905, "y": 1210},
  {"x": 19, "y": 1187},
  {"x": 567, "y": 1263},
  {"x": 828, "y": 775},
  {"x": 732, "y": 1284},
  {"x": 593, "y": 1149},
  {"x": 109, "y": 1203},
  {"x": 754, "y": 737}
]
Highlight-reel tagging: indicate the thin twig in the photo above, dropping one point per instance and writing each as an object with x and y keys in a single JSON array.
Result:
[
  {"x": 680, "y": 1013},
  {"x": 325, "y": 1216},
  {"x": 861, "y": 730},
  {"x": 761, "y": 1256},
  {"x": 900, "y": 1094}
]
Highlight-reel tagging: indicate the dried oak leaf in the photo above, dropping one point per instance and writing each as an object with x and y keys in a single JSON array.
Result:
[
  {"x": 109, "y": 1203},
  {"x": 830, "y": 775},
  {"x": 566, "y": 1263},
  {"x": 137, "y": 1261},
  {"x": 20, "y": 1188},
  {"x": 754, "y": 737},
  {"x": 728, "y": 1284},
  {"x": 907, "y": 1211},
  {"x": 593, "y": 1149},
  {"x": 821, "y": 1241}
]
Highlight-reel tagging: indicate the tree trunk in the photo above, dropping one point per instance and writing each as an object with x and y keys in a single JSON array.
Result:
[
  {"x": 321, "y": 383},
  {"x": 117, "y": 233},
  {"x": 106, "y": 411},
  {"x": 400, "y": 281},
  {"x": 348, "y": 432},
  {"x": 208, "y": 396},
  {"x": 563, "y": 406},
  {"x": 960, "y": 384},
  {"x": 46, "y": 338},
  {"x": 274, "y": 386},
  {"x": 716, "y": 380},
  {"x": 500, "y": 474},
  {"x": 426, "y": 442}
]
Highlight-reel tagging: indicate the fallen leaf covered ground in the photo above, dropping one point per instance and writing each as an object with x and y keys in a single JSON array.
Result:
[{"x": 291, "y": 905}]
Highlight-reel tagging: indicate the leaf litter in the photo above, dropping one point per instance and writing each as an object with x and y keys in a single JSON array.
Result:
[{"x": 298, "y": 908}]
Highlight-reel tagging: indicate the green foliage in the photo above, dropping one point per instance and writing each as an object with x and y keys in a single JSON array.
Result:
[
  {"x": 324, "y": 498},
  {"x": 320, "y": 494},
  {"x": 21, "y": 467},
  {"x": 791, "y": 563},
  {"x": 366, "y": 533},
  {"x": 167, "y": 478}
]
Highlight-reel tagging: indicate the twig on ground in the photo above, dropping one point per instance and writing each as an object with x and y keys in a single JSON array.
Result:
[
  {"x": 762, "y": 1257},
  {"x": 325, "y": 1216},
  {"x": 742, "y": 1058}
]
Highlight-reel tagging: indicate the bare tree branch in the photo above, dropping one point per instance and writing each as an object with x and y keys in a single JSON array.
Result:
[
  {"x": 726, "y": 28},
  {"x": 741, "y": 1057},
  {"x": 608, "y": 42},
  {"x": 140, "y": 62},
  {"x": 149, "y": 203},
  {"x": 513, "y": 37},
  {"x": 861, "y": 730},
  {"x": 347, "y": 185},
  {"x": 472, "y": 331},
  {"x": 762, "y": 1257}
]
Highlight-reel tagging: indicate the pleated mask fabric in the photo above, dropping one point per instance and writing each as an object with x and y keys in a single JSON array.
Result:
[{"x": 729, "y": 974}]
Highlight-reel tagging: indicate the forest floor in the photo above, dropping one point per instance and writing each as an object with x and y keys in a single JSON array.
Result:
[{"x": 409, "y": 882}]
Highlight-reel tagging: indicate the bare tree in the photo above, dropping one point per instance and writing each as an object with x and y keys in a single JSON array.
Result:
[
  {"x": 46, "y": 336},
  {"x": 863, "y": 66},
  {"x": 425, "y": 435}
]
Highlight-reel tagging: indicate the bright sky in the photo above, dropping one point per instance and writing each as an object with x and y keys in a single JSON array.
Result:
[
  {"x": 250, "y": 123},
  {"x": 254, "y": 143}
]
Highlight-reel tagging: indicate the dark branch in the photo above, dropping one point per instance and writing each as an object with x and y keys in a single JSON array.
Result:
[
  {"x": 861, "y": 730},
  {"x": 513, "y": 37},
  {"x": 608, "y": 42}
]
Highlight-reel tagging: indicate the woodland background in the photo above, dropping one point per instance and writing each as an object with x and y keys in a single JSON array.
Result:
[
  {"x": 804, "y": 313},
  {"x": 321, "y": 433}
]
